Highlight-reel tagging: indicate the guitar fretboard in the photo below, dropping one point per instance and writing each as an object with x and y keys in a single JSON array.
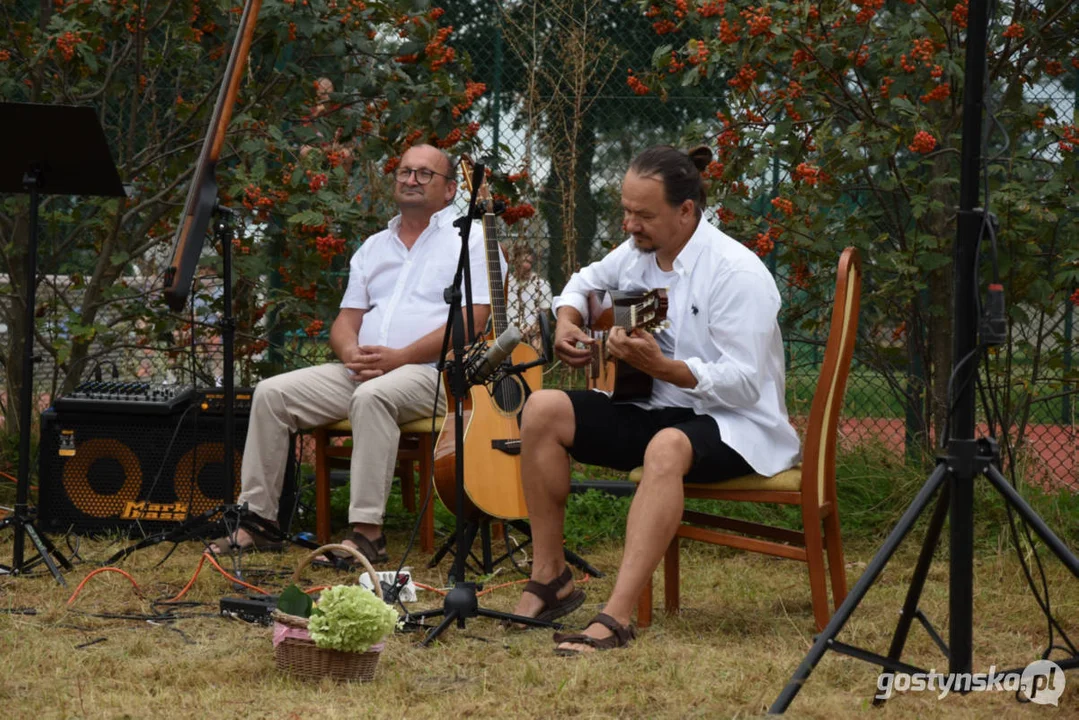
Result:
[{"x": 494, "y": 275}]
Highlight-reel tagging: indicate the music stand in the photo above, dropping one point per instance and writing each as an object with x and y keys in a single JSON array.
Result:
[{"x": 47, "y": 150}]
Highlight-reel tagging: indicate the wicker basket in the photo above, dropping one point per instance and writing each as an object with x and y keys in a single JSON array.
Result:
[{"x": 300, "y": 656}]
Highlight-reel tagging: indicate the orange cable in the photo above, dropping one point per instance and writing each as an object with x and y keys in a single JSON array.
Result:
[
  {"x": 75, "y": 594},
  {"x": 585, "y": 578},
  {"x": 428, "y": 587},
  {"x": 190, "y": 582},
  {"x": 15, "y": 480},
  {"x": 496, "y": 587},
  {"x": 225, "y": 572}
]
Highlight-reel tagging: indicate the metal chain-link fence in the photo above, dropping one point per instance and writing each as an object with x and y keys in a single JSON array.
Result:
[{"x": 558, "y": 112}]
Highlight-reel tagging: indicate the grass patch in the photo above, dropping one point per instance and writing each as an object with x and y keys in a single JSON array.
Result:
[{"x": 746, "y": 624}]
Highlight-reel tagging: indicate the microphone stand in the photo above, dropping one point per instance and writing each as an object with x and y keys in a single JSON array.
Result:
[{"x": 461, "y": 602}]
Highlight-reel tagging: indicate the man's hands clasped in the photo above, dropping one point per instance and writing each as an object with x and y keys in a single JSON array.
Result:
[{"x": 371, "y": 361}]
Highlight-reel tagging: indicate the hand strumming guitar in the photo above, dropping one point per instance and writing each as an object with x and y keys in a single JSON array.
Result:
[{"x": 566, "y": 337}]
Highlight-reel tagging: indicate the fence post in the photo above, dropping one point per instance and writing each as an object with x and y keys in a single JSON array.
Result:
[
  {"x": 496, "y": 90},
  {"x": 1066, "y": 399},
  {"x": 1069, "y": 309},
  {"x": 914, "y": 424}
]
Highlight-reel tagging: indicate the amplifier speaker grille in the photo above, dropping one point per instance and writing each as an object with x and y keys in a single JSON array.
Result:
[{"x": 105, "y": 472}]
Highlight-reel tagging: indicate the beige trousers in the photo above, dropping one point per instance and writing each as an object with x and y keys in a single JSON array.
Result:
[{"x": 314, "y": 396}]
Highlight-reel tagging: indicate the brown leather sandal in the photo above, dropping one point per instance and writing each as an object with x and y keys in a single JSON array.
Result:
[
  {"x": 620, "y": 637},
  {"x": 259, "y": 543},
  {"x": 553, "y": 606},
  {"x": 373, "y": 550}
]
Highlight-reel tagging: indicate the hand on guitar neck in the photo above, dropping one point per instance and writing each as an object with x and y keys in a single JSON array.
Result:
[{"x": 637, "y": 348}]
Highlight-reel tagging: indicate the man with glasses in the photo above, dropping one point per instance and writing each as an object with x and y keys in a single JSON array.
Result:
[{"x": 387, "y": 338}]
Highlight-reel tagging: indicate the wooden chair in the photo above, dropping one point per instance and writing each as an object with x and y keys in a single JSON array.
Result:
[
  {"x": 810, "y": 485},
  {"x": 415, "y": 447}
]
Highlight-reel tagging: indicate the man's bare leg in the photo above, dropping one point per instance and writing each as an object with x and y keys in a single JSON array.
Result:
[
  {"x": 653, "y": 520},
  {"x": 547, "y": 429}
]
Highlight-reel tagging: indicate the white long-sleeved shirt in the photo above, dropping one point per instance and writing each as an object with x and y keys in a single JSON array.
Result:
[
  {"x": 402, "y": 288},
  {"x": 724, "y": 308}
]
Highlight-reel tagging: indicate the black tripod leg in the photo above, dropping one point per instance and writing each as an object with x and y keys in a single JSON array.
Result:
[
  {"x": 46, "y": 550},
  {"x": 1048, "y": 536},
  {"x": 876, "y": 565},
  {"x": 435, "y": 632},
  {"x": 510, "y": 617},
  {"x": 449, "y": 545},
  {"x": 910, "y": 610},
  {"x": 485, "y": 543},
  {"x": 471, "y": 528},
  {"x": 580, "y": 563},
  {"x": 571, "y": 557}
]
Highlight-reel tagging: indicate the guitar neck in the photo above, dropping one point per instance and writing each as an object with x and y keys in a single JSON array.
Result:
[{"x": 494, "y": 275}]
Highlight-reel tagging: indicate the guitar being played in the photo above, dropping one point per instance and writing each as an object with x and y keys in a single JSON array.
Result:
[{"x": 644, "y": 312}]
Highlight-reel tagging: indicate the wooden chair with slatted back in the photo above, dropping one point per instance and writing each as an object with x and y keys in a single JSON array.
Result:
[
  {"x": 811, "y": 485},
  {"x": 415, "y": 448}
]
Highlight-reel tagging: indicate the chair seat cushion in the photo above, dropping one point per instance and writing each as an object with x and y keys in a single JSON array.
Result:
[
  {"x": 788, "y": 481},
  {"x": 423, "y": 425},
  {"x": 416, "y": 426}
]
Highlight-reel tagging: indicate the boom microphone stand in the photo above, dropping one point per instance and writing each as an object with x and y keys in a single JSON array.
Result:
[
  {"x": 966, "y": 458},
  {"x": 461, "y": 602}
]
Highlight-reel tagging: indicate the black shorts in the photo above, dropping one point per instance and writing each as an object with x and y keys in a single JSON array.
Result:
[{"x": 615, "y": 435}]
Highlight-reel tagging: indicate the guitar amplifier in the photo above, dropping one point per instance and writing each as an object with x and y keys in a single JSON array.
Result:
[
  {"x": 212, "y": 401},
  {"x": 102, "y": 471}
]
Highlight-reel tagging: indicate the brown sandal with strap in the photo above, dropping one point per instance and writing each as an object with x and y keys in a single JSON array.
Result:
[
  {"x": 259, "y": 543},
  {"x": 373, "y": 550},
  {"x": 553, "y": 606},
  {"x": 620, "y": 636}
]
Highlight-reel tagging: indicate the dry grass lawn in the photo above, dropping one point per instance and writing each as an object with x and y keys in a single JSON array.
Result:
[{"x": 746, "y": 625}]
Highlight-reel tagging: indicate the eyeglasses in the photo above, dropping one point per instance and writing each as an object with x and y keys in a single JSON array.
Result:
[{"x": 423, "y": 175}]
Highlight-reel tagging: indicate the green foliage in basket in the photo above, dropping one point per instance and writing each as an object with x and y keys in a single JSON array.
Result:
[
  {"x": 295, "y": 601},
  {"x": 350, "y": 618}
]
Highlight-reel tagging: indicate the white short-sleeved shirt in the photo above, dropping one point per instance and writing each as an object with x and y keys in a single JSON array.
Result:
[
  {"x": 723, "y": 308},
  {"x": 402, "y": 289}
]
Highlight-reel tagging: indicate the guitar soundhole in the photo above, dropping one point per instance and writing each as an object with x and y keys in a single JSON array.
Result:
[{"x": 509, "y": 395}]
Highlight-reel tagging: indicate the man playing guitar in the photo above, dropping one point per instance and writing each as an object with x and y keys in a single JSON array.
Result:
[{"x": 716, "y": 409}]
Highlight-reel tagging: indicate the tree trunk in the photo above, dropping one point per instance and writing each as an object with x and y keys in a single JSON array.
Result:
[{"x": 567, "y": 193}]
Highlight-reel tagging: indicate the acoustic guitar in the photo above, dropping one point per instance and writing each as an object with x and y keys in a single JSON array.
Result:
[
  {"x": 492, "y": 436},
  {"x": 632, "y": 310}
]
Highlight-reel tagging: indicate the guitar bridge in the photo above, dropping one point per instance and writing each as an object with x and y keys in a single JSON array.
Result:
[{"x": 510, "y": 447}]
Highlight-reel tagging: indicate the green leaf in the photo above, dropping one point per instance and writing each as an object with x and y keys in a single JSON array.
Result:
[
  {"x": 295, "y": 601},
  {"x": 904, "y": 106},
  {"x": 661, "y": 52},
  {"x": 306, "y": 217}
]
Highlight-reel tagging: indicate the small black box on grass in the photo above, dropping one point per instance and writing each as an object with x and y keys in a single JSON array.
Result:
[{"x": 249, "y": 609}]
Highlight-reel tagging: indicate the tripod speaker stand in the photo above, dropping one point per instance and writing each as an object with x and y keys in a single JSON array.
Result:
[
  {"x": 54, "y": 150},
  {"x": 966, "y": 458}
]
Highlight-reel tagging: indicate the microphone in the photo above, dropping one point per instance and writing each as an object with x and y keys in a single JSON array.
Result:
[{"x": 499, "y": 350}]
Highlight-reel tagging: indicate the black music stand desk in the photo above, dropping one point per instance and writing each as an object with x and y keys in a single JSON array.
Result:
[{"x": 45, "y": 150}]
